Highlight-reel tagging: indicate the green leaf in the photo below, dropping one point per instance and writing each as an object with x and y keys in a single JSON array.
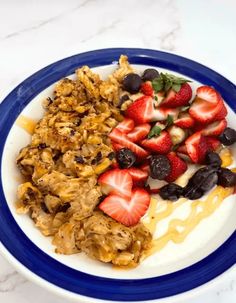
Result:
[
  {"x": 168, "y": 85},
  {"x": 156, "y": 98},
  {"x": 157, "y": 84},
  {"x": 169, "y": 120},
  {"x": 155, "y": 131},
  {"x": 176, "y": 87}
]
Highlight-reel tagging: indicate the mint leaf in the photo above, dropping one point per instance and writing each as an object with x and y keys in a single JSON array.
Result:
[
  {"x": 176, "y": 87},
  {"x": 168, "y": 85},
  {"x": 169, "y": 120},
  {"x": 157, "y": 84},
  {"x": 156, "y": 98},
  {"x": 155, "y": 131}
]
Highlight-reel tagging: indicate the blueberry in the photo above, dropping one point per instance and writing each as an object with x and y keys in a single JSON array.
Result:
[
  {"x": 125, "y": 158},
  {"x": 159, "y": 167},
  {"x": 132, "y": 83},
  {"x": 228, "y": 137},
  {"x": 171, "y": 192},
  {"x": 213, "y": 159},
  {"x": 150, "y": 74},
  {"x": 226, "y": 177}
]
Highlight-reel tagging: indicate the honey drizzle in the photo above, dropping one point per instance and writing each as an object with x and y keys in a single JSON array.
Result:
[
  {"x": 199, "y": 211},
  {"x": 26, "y": 123}
]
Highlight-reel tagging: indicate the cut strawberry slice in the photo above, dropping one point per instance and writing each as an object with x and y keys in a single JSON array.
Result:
[
  {"x": 161, "y": 114},
  {"x": 117, "y": 146},
  {"x": 212, "y": 143},
  {"x": 123, "y": 140},
  {"x": 161, "y": 144},
  {"x": 141, "y": 110},
  {"x": 146, "y": 89},
  {"x": 137, "y": 174},
  {"x": 196, "y": 147},
  {"x": 178, "y": 167},
  {"x": 222, "y": 113},
  {"x": 184, "y": 121},
  {"x": 126, "y": 211},
  {"x": 145, "y": 167},
  {"x": 126, "y": 126},
  {"x": 215, "y": 128},
  {"x": 180, "y": 98},
  {"x": 139, "y": 132},
  {"x": 117, "y": 182},
  {"x": 208, "y": 94}
]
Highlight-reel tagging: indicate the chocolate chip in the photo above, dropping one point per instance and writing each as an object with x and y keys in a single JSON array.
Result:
[
  {"x": 50, "y": 101},
  {"x": 42, "y": 146},
  {"x": 72, "y": 132},
  {"x": 111, "y": 156},
  {"x": 79, "y": 159},
  {"x": 97, "y": 159}
]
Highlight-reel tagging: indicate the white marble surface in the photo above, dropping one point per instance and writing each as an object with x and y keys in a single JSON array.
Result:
[{"x": 35, "y": 33}]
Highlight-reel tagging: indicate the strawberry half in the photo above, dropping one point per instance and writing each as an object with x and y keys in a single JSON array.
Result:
[
  {"x": 120, "y": 138},
  {"x": 141, "y": 110},
  {"x": 147, "y": 89},
  {"x": 215, "y": 128},
  {"x": 161, "y": 144},
  {"x": 197, "y": 147},
  {"x": 184, "y": 121},
  {"x": 126, "y": 211},
  {"x": 139, "y": 132},
  {"x": 117, "y": 182},
  {"x": 116, "y": 146},
  {"x": 208, "y": 94},
  {"x": 178, "y": 167},
  {"x": 126, "y": 126},
  {"x": 212, "y": 143},
  {"x": 137, "y": 174},
  {"x": 180, "y": 98},
  {"x": 222, "y": 113}
]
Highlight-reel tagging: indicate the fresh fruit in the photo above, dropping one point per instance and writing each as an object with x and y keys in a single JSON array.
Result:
[
  {"x": 126, "y": 211},
  {"x": 171, "y": 192},
  {"x": 146, "y": 89},
  {"x": 222, "y": 113},
  {"x": 161, "y": 144},
  {"x": 161, "y": 113},
  {"x": 177, "y": 134},
  {"x": 120, "y": 138},
  {"x": 132, "y": 82},
  {"x": 149, "y": 74},
  {"x": 139, "y": 132},
  {"x": 213, "y": 159},
  {"x": 226, "y": 177},
  {"x": 141, "y": 110},
  {"x": 184, "y": 121},
  {"x": 213, "y": 143},
  {"x": 208, "y": 94},
  {"x": 117, "y": 182},
  {"x": 137, "y": 174},
  {"x": 145, "y": 167},
  {"x": 125, "y": 157},
  {"x": 178, "y": 98},
  {"x": 126, "y": 126},
  {"x": 159, "y": 167},
  {"x": 228, "y": 136},
  {"x": 178, "y": 167},
  {"x": 215, "y": 128},
  {"x": 197, "y": 147},
  {"x": 116, "y": 146}
]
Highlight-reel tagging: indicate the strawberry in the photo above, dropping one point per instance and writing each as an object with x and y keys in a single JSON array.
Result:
[
  {"x": 208, "y": 94},
  {"x": 116, "y": 181},
  {"x": 147, "y": 89},
  {"x": 212, "y": 143},
  {"x": 215, "y": 128},
  {"x": 161, "y": 114},
  {"x": 178, "y": 167},
  {"x": 184, "y": 121},
  {"x": 126, "y": 211},
  {"x": 126, "y": 126},
  {"x": 116, "y": 146},
  {"x": 222, "y": 113},
  {"x": 197, "y": 147},
  {"x": 180, "y": 98},
  {"x": 120, "y": 138},
  {"x": 139, "y": 132},
  {"x": 161, "y": 144},
  {"x": 145, "y": 167},
  {"x": 137, "y": 174},
  {"x": 141, "y": 110}
]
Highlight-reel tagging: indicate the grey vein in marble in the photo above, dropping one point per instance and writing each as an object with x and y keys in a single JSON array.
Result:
[{"x": 10, "y": 281}]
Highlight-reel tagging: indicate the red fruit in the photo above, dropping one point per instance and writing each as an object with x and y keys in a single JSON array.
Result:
[
  {"x": 116, "y": 181},
  {"x": 145, "y": 167},
  {"x": 161, "y": 144},
  {"x": 215, "y": 128},
  {"x": 208, "y": 94},
  {"x": 180, "y": 98},
  {"x": 222, "y": 113},
  {"x": 184, "y": 121},
  {"x": 182, "y": 149},
  {"x": 161, "y": 114},
  {"x": 147, "y": 89},
  {"x": 137, "y": 174},
  {"x": 141, "y": 110},
  {"x": 178, "y": 167},
  {"x": 197, "y": 147},
  {"x": 120, "y": 138},
  {"x": 116, "y": 146},
  {"x": 212, "y": 143},
  {"x": 126, "y": 211},
  {"x": 126, "y": 126},
  {"x": 139, "y": 132}
]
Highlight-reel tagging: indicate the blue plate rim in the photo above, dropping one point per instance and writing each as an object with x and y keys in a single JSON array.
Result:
[{"x": 38, "y": 262}]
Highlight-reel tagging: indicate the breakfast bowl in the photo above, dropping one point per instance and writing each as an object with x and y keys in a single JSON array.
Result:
[{"x": 205, "y": 246}]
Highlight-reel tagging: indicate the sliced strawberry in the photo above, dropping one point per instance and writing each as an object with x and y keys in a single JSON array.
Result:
[
  {"x": 141, "y": 110},
  {"x": 184, "y": 121},
  {"x": 145, "y": 167},
  {"x": 208, "y": 94},
  {"x": 197, "y": 147},
  {"x": 182, "y": 149},
  {"x": 126, "y": 211},
  {"x": 178, "y": 167},
  {"x": 212, "y": 143},
  {"x": 215, "y": 128},
  {"x": 161, "y": 144},
  {"x": 161, "y": 113},
  {"x": 116, "y": 181},
  {"x": 180, "y": 98},
  {"x": 123, "y": 140},
  {"x": 139, "y": 132},
  {"x": 146, "y": 89},
  {"x": 116, "y": 146},
  {"x": 137, "y": 174},
  {"x": 222, "y": 113},
  {"x": 126, "y": 126}
]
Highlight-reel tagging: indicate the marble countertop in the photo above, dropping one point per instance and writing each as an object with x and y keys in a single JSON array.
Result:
[{"x": 35, "y": 33}]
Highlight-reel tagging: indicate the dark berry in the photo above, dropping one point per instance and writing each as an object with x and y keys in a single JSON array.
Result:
[
  {"x": 228, "y": 137},
  {"x": 123, "y": 99},
  {"x": 125, "y": 157},
  {"x": 213, "y": 159},
  {"x": 132, "y": 83},
  {"x": 226, "y": 177},
  {"x": 171, "y": 192},
  {"x": 192, "y": 193},
  {"x": 150, "y": 74},
  {"x": 79, "y": 159},
  {"x": 159, "y": 167},
  {"x": 111, "y": 156}
]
